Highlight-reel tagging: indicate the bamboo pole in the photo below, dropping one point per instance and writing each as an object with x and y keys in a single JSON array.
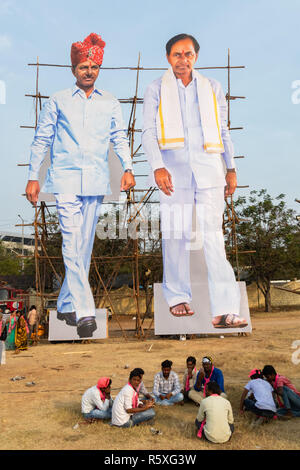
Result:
[{"x": 109, "y": 299}]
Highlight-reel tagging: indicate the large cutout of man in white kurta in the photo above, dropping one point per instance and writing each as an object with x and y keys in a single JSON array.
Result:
[
  {"x": 186, "y": 140},
  {"x": 78, "y": 124}
]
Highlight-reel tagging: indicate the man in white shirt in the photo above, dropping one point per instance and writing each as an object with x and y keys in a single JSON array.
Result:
[
  {"x": 188, "y": 170},
  {"x": 215, "y": 419},
  {"x": 96, "y": 402},
  {"x": 258, "y": 398},
  {"x": 127, "y": 409}
]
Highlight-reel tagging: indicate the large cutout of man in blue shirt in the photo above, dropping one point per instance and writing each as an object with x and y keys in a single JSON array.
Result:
[
  {"x": 187, "y": 143},
  {"x": 78, "y": 125}
]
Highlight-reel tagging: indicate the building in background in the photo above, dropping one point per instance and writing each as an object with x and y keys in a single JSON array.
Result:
[{"x": 17, "y": 244}]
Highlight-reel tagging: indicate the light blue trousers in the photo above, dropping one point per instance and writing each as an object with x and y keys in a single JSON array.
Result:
[
  {"x": 167, "y": 402},
  {"x": 78, "y": 217},
  {"x": 176, "y": 225},
  {"x": 291, "y": 402},
  {"x": 138, "y": 418},
  {"x": 98, "y": 414}
]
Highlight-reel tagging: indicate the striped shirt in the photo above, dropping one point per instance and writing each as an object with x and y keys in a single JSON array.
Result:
[
  {"x": 164, "y": 386},
  {"x": 284, "y": 381},
  {"x": 142, "y": 389}
]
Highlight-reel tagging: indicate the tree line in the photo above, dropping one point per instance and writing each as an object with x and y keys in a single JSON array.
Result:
[{"x": 266, "y": 227}]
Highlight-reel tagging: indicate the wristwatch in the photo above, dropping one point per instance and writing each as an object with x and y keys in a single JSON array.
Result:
[{"x": 128, "y": 171}]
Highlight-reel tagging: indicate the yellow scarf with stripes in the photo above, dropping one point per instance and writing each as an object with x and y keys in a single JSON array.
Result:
[{"x": 169, "y": 125}]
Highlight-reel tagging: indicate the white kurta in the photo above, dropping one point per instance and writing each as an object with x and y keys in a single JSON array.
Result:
[{"x": 198, "y": 179}]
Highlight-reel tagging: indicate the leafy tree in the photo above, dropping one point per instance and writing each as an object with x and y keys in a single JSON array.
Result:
[
  {"x": 9, "y": 262},
  {"x": 270, "y": 228}
]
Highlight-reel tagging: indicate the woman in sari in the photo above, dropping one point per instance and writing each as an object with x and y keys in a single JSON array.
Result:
[
  {"x": 22, "y": 331},
  {"x": 10, "y": 340}
]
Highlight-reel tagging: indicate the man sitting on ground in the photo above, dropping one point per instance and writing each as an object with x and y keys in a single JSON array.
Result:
[
  {"x": 96, "y": 402},
  {"x": 127, "y": 409},
  {"x": 166, "y": 388},
  {"x": 287, "y": 395},
  {"x": 262, "y": 404},
  {"x": 189, "y": 377},
  {"x": 214, "y": 419},
  {"x": 209, "y": 373}
]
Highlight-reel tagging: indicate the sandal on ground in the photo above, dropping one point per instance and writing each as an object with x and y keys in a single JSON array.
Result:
[
  {"x": 231, "y": 321},
  {"x": 185, "y": 311}
]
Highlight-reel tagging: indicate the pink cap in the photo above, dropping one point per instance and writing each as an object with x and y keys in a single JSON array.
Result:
[{"x": 254, "y": 371}]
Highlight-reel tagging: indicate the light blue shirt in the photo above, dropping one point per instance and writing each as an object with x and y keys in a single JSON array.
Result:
[
  {"x": 78, "y": 131},
  {"x": 207, "y": 168}
]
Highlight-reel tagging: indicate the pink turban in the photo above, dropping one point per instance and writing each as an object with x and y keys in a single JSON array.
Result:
[
  {"x": 91, "y": 48},
  {"x": 103, "y": 382}
]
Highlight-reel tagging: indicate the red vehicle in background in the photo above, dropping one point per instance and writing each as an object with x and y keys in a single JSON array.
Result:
[{"x": 12, "y": 299}]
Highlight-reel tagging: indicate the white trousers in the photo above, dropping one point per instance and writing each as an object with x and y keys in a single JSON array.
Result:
[
  {"x": 78, "y": 217},
  {"x": 176, "y": 226}
]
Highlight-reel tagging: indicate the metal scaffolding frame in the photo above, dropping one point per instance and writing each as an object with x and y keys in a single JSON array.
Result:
[{"x": 134, "y": 205}]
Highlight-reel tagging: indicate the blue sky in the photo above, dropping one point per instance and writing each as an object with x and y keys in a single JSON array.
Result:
[{"x": 263, "y": 35}]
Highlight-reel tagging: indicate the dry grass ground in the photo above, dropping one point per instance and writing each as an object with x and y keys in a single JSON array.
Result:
[{"x": 43, "y": 416}]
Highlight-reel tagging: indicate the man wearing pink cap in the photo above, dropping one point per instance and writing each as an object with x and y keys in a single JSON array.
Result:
[
  {"x": 77, "y": 125},
  {"x": 258, "y": 398},
  {"x": 96, "y": 402}
]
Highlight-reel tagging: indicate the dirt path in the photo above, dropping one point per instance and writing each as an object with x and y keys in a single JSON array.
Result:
[{"x": 42, "y": 416}]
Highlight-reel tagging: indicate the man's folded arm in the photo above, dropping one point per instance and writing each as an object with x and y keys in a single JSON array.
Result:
[
  {"x": 177, "y": 387},
  {"x": 101, "y": 405},
  {"x": 201, "y": 412}
]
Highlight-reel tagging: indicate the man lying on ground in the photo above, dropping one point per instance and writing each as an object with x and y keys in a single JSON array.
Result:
[
  {"x": 287, "y": 395},
  {"x": 96, "y": 402},
  {"x": 127, "y": 409},
  {"x": 214, "y": 419},
  {"x": 166, "y": 387}
]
